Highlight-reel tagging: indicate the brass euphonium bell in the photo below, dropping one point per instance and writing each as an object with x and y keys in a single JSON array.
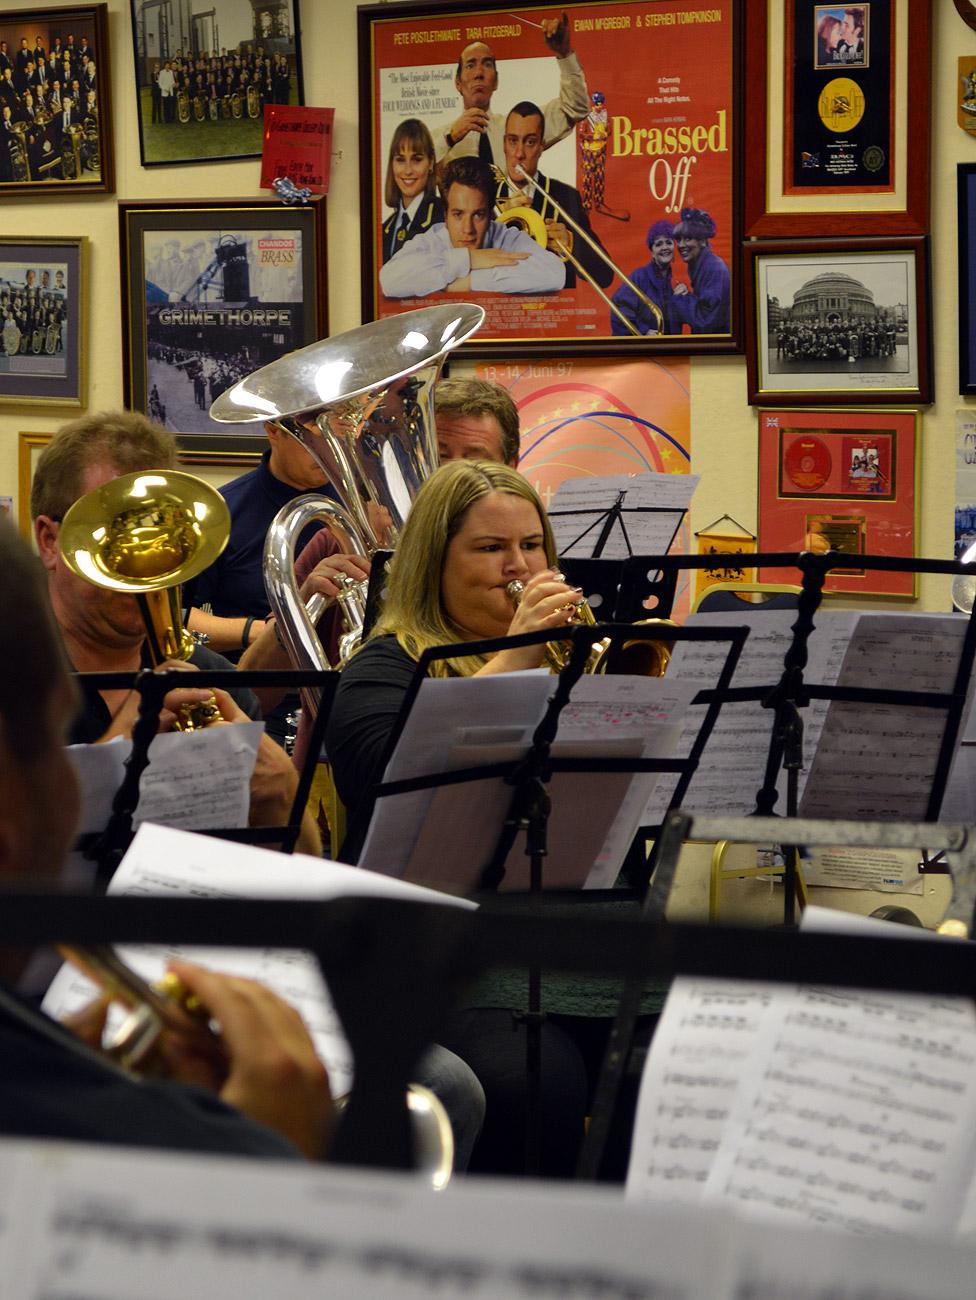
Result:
[
  {"x": 638, "y": 658},
  {"x": 144, "y": 534},
  {"x": 362, "y": 406}
]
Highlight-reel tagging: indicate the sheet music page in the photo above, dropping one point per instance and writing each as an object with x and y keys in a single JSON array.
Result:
[
  {"x": 857, "y": 1109},
  {"x": 733, "y": 764},
  {"x": 703, "y": 1041},
  {"x": 96, "y": 1224},
  {"x": 653, "y": 507},
  {"x": 593, "y": 815},
  {"x": 162, "y": 860},
  {"x": 877, "y": 761},
  {"x": 196, "y": 780},
  {"x": 446, "y": 712},
  {"x": 809, "y": 1263}
]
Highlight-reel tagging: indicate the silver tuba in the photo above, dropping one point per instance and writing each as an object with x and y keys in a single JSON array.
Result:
[{"x": 362, "y": 405}]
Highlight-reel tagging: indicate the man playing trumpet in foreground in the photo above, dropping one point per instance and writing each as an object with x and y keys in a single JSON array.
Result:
[{"x": 265, "y": 1094}]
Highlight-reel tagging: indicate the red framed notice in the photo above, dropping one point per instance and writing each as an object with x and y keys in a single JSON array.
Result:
[
  {"x": 626, "y": 132},
  {"x": 840, "y": 480}
]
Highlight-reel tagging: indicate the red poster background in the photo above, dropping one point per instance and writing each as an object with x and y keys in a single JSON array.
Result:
[{"x": 664, "y": 68}]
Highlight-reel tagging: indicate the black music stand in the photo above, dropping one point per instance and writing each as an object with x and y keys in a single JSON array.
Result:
[
  {"x": 530, "y": 807},
  {"x": 786, "y": 698}
]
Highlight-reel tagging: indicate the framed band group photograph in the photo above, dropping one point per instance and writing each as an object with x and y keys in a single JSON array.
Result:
[
  {"x": 571, "y": 168},
  {"x": 55, "y": 102},
  {"x": 837, "y": 322},
  {"x": 203, "y": 79},
  {"x": 210, "y": 293},
  {"x": 43, "y": 321}
]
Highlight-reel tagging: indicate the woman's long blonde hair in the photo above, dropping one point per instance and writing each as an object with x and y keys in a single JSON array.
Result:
[{"x": 413, "y": 610}]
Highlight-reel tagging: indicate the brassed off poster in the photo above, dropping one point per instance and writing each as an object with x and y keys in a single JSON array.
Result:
[
  {"x": 219, "y": 305},
  {"x": 570, "y": 169}
]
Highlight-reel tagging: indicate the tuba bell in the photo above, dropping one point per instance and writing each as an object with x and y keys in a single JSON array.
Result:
[
  {"x": 145, "y": 534},
  {"x": 361, "y": 404}
]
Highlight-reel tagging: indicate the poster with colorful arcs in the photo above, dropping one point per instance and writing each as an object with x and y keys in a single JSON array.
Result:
[{"x": 599, "y": 419}]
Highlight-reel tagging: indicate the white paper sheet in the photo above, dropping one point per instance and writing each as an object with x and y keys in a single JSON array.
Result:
[
  {"x": 652, "y": 509},
  {"x": 161, "y": 860},
  {"x": 197, "y": 780},
  {"x": 96, "y": 1224},
  {"x": 446, "y": 837}
]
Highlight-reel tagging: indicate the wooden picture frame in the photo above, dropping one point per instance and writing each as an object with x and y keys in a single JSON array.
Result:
[
  {"x": 210, "y": 293},
  {"x": 44, "y": 321},
  {"x": 214, "y": 109},
  {"x": 834, "y": 321},
  {"x": 847, "y": 479},
  {"x": 214, "y": 469},
  {"x": 662, "y": 135},
  {"x": 966, "y": 201},
  {"x": 891, "y": 77},
  {"x": 47, "y": 147}
]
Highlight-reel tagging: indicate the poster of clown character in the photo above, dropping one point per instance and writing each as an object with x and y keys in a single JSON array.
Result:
[
  {"x": 569, "y": 168},
  {"x": 601, "y": 419}
]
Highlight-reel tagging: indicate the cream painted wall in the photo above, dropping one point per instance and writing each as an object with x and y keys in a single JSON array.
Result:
[{"x": 723, "y": 425}]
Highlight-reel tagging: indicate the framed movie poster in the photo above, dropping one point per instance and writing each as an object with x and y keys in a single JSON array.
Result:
[
  {"x": 838, "y": 322},
  {"x": 570, "y": 168},
  {"x": 837, "y": 124},
  {"x": 844, "y": 481},
  {"x": 966, "y": 199},
  {"x": 212, "y": 292},
  {"x": 55, "y": 102},
  {"x": 203, "y": 79},
  {"x": 43, "y": 321}
]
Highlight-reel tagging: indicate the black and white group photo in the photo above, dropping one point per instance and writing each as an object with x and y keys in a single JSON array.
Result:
[
  {"x": 219, "y": 304},
  {"x": 838, "y": 324}
]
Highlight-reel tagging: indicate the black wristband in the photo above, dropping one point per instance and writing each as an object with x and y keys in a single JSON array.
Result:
[
  {"x": 246, "y": 634},
  {"x": 449, "y": 139}
]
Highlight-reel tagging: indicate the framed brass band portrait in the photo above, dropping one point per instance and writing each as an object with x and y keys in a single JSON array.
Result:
[
  {"x": 838, "y": 321},
  {"x": 843, "y": 480},
  {"x": 55, "y": 102},
  {"x": 570, "y": 168},
  {"x": 43, "y": 321},
  {"x": 211, "y": 292},
  {"x": 203, "y": 79},
  {"x": 837, "y": 118}
]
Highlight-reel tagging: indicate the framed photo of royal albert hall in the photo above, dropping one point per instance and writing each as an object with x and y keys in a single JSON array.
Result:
[
  {"x": 838, "y": 322},
  {"x": 55, "y": 102},
  {"x": 203, "y": 78},
  {"x": 572, "y": 168},
  {"x": 210, "y": 293}
]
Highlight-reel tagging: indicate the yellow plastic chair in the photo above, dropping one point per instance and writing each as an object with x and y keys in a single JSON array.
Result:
[{"x": 727, "y": 597}]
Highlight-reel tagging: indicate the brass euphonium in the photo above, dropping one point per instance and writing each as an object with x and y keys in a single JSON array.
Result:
[
  {"x": 637, "y": 658},
  {"x": 145, "y": 534},
  {"x": 361, "y": 404}
]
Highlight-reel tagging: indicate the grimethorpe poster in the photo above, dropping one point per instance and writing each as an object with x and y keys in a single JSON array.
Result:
[{"x": 219, "y": 305}]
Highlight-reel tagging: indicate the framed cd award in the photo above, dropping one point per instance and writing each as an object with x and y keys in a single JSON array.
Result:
[
  {"x": 841, "y": 480},
  {"x": 837, "y": 133}
]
